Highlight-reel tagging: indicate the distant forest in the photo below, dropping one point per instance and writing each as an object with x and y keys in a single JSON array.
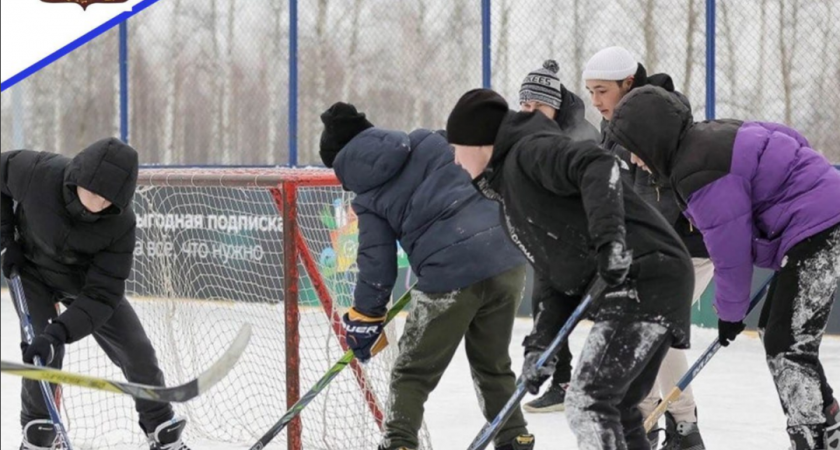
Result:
[{"x": 209, "y": 79}]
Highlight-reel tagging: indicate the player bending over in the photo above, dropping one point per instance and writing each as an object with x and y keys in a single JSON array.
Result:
[
  {"x": 761, "y": 196},
  {"x": 470, "y": 278},
  {"x": 564, "y": 205},
  {"x": 68, "y": 227},
  {"x": 542, "y": 91},
  {"x": 610, "y": 74}
]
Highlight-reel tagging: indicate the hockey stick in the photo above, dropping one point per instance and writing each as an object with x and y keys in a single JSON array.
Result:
[
  {"x": 16, "y": 287},
  {"x": 175, "y": 394},
  {"x": 489, "y": 431},
  {"x": 345, "y": 360},
  {"x": 695, "y": 369}
]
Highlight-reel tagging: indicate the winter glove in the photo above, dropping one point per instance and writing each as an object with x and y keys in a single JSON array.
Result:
[
  {"x": 614, "y": 263},
  {"x": 12, "y": 257},
  {"x": 728, "y": 330},
  {"x": 363, "y": 334},
  {"x": 533, "y": 377},
  {"x": 46, "y": 345}
]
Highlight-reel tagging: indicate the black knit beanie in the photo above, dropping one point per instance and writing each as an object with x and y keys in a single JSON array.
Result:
[
  {"x": 476, "y": 118},
  {"x": 341, "y": 124}
]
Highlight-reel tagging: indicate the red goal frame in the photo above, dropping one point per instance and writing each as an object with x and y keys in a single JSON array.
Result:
[{"x": 283, "y": 185}]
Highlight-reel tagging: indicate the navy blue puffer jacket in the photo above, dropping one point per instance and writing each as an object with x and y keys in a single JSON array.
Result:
[{"x": 408, "y": 188}]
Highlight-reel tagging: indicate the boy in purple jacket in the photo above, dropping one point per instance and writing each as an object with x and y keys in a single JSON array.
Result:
[{"x": 761, "y": 196}]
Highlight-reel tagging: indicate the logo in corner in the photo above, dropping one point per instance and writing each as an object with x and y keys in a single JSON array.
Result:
[{"x": 84, "y": 3}]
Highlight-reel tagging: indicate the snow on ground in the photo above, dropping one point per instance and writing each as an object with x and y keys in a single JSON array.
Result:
[{"x": 737, "y": 403}]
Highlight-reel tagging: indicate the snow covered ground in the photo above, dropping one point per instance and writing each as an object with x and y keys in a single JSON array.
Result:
[{"x": 737, "y": 403}]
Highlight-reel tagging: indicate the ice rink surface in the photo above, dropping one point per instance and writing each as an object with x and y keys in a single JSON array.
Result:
[{"x": 737, "y": 403}]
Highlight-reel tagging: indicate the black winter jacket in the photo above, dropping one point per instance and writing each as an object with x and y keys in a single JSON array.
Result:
[
  {"x": 657, "y": 193},
  {"x": 408, "y": 188},
  {"x": 562, "y": 200},
  {"x": 85, "y": 258}
]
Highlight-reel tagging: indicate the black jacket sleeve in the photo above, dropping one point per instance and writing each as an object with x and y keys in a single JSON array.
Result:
[
  {"x": 377, "y": 262},
  {"x": 16, "y": 169},
  {"x": 103, "y": 291},
  {"x": 583, "y": 169}
]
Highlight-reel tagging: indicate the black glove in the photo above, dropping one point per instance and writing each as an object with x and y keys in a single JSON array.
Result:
[
  {"x": 46, "y": 345},
  {"x": 12, "y": 256},
  {"x": 728, "y": 330},
  {"x": 531, "y": 376},
  {"x": 614, "y": 263},
  {"x": 363, "y": 334}
]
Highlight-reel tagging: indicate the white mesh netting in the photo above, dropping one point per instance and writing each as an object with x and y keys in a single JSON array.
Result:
[{"x": 209, "y": 257}]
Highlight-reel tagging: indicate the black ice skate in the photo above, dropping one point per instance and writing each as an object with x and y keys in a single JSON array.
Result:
[
  {"x": 653, "y": 438},
  {"x": 832, "y": 426},
  {"x": 167, "y": 436},
  {"x": 681, "y": 435},
  {"x": 554, "y": 399},
  {"x": 38, "y": 435},
  {"x": 521, "y": 442},
  {"x": 806, "y": 437}
]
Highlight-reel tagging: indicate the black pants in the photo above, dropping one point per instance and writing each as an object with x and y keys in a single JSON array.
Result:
[
  {"x": 546, "y": 297},
  {"x": 122, "y": 338},
  {"x": 792, "y": 325},
  {"x": 618, "y": 366}
]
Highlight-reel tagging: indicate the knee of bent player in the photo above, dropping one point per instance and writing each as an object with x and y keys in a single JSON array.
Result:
[{"x": 579, "y": 405}]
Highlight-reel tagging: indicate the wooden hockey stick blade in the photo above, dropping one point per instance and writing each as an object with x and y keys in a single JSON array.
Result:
[
  {"x": 695, "y": 368},
  {"x": 175, "y": 394}
]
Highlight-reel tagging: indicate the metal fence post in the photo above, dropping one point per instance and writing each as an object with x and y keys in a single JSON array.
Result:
[
  {"x": 710, "y": 59},
  {"x": 293, "y": 82},
  {"x": 486, "y": 70},
  {"x": 124, "y": 80}
]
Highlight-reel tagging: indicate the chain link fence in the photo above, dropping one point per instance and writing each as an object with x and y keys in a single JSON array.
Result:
[{"x": 243, "y": 82}]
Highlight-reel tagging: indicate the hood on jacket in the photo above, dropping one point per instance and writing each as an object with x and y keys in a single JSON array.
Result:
[
  {"x": 371, "y": 159},
  {"x": 650, "y": 122},
  {"x": 571, "y": 117},
  {"x": 108, "y": 168},
  {"x": 516, "y": 126}
]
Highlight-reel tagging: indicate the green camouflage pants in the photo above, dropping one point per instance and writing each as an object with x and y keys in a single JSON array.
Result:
[{"x": 483, "y": 314}]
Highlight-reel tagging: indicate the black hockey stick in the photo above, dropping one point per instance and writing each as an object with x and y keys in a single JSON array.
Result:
[
  {"x": 489, "y": 431},
  {"x": 333, "y": 372},
  {"x": 695, "y": 369},
  {"x": 175, "y": 394},
  {"x": 19, "y": 297}
]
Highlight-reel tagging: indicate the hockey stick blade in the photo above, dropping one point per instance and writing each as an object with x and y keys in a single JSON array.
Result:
[
  {"x": 175, "y": 394},
  {"x": 695, "y": 369},
  {"x": 319, "y": 386},
  {"x": 489, "y": 431}
]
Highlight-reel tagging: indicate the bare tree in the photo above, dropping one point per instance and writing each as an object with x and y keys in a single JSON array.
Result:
[
  {"x": 348, "y": 89},
  {"x": 172, "y": 85},
  {"x": 273, "y": 78},
  {"x": 731, "y": 67},
  {"x": 649, "y": 32},
  {"x": 581, "y": 23},
  {"x": 788, "y": 26},
  {"x": 690, "y": 31},
  {"x": 501, "y": 67}
]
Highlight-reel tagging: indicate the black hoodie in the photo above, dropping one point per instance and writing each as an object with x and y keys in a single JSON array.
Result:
[
  {"x": 657, "y": 190},
  {"x": 84, "y": 257},
  {"x": 571, "y": 117},
  {"x": 563, "y": 199}
]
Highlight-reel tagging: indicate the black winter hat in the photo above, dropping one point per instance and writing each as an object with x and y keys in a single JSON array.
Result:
[
  {"x": 476, "y": 118},
  {"x": 341, "y": 124}
]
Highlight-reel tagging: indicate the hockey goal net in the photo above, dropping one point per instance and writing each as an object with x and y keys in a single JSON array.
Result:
[{"x": 217, "y": 248}]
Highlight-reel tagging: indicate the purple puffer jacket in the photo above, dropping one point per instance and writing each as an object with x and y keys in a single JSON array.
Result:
[{"x": 778, "y": 192}]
